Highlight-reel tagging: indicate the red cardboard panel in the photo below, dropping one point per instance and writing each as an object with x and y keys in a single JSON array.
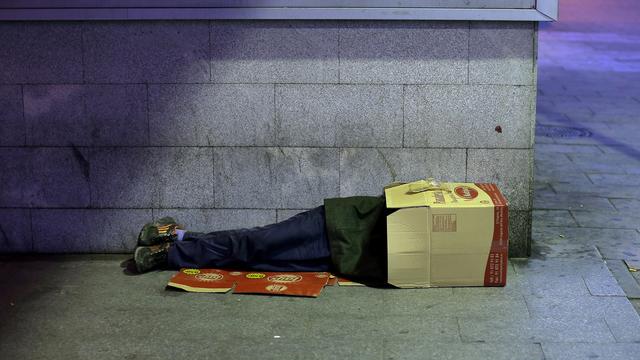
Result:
[
  {"x": 283, "y": 283},
  {"x": 250, "y": 282},
  {"x": 204, "y": 280}
]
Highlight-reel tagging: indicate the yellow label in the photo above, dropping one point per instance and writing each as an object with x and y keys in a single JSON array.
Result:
[
  {"x": 255, "y": 276},
  {"x": 191, "y": 271}
]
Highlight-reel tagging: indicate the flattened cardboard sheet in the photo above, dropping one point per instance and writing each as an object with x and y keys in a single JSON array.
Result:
[
  {"x": 308, "y": 284},
  {"x": 204, "y": 280}
]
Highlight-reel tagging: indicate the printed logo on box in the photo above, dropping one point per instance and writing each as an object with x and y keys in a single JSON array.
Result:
[
  {"x": 209, "y": 277},
  {"x": 285, "y": 278},
  {"x": 276, "y": 288},
  {"x": 466, "y": 192}
]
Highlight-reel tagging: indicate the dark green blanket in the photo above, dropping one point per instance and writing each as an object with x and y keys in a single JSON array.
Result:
[{"x": 357, "y": 232}]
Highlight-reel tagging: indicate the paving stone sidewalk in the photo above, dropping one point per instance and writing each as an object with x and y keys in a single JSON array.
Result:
[
  {"x": 586, "y": 202},
  {"x": 562, "y": 303}
]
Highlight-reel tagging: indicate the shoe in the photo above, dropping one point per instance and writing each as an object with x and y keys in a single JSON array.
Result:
[
  {"x": 161, "y": 231},
  {"x": 151, "y": 257}
]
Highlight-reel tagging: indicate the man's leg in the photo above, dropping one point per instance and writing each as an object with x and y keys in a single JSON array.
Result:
[{"x": 296, "y": 244}]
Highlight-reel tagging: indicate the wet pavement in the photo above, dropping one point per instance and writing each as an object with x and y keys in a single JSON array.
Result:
[
  {"x": 573, "y": 299},
  {"x": 587, "y": 159}
]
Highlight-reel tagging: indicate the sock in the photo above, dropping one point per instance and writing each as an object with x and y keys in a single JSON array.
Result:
[{"x": 180, "y": 234}]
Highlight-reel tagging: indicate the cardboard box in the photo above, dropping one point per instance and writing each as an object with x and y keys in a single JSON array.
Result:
[{"x": 449, "y": 234}]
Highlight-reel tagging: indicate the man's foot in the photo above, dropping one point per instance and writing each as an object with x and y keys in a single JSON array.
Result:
[
  {"x": 158, "y": 232},
  {"x": 151, "y": 257}
]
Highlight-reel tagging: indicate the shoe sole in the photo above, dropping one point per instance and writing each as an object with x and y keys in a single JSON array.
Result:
[{"x": 138, "y": 256}]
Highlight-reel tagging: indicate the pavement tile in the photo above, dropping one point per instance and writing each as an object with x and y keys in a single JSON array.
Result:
[
  {"x": 560, "y": 173},
  {"x": 425, "y": 348},
  {"x": 618, "y": 149},
  {"x": 580, "y": 307},
  {"x": 302, "y": 349},
  {"x": 541, "y": 186},
  {"x": 602, "y": 190},
  {"x": 558, "y": 159},
  {"x": 543, "y": 139},
  {"x": 570, "y": 202},
  {"x": 624, "y": 329},
  {"x": 540, "y": 266},
  {"x": 603, "y": 285},
  {"x": 564, "y": 276},
  {"x": 626, "y": 205},
  {"x": 619, "y": 314},
  {"x": 575, "y": 242},
  {"x": 607, "y": 219},
  {"x": 412, "y": 302},
  {"x": 553, "y": 218},
  {"x": 577, "y": 179},
  {"x": 335, "y": 301},
  {"x": 600, "y": 166},
  {"x": 605, "y": 163},
  {"x": 557, "y": 284},
  {"x": 347, "y": 327},
  {"x": 535, "y": 330},
  {"x": 571, "y": 351},
  {"x": 627, "y": 279},
  {"x": 613, "y": 179},
  {"x": 567, "y": 149},
  {"x": 409, "y": 327},
  {"x": 563, "y": 249},
  {"x": 388, "y": 327},
  {"x": 621, "y": 249},
  {"x": 568, "y": 276}
]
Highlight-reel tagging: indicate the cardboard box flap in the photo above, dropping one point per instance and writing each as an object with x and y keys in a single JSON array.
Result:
[
  {"x": 425, "y": 193},
  {"x": 400, "y": 197},
  {"x": 408, "y": 252}
]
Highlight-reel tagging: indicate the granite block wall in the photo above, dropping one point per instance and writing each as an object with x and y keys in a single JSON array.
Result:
[{"x": 225, "y": 124}]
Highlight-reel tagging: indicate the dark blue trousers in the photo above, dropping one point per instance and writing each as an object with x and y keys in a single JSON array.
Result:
[{"x": 296, "y": 244}]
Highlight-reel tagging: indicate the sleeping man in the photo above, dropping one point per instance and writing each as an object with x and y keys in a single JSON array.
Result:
[{"x": 345, "y": 235}]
